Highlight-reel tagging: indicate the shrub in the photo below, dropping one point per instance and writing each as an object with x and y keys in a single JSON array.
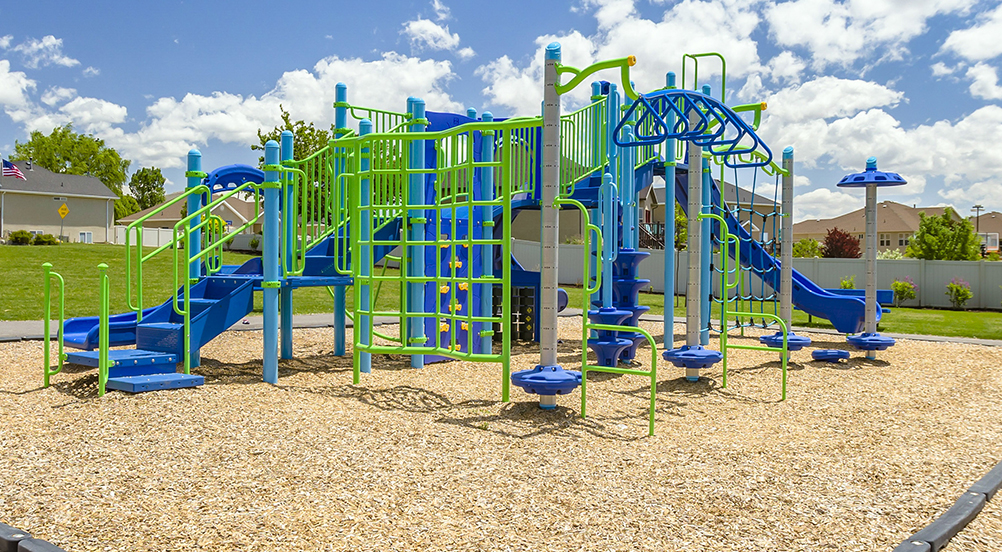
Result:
[
  {"x": 807, "y": 247},
  {"x": 891, "y": 254},
  {"x": 904, "y": 289},
  {"x": 840, "y": 245},
  {"x": 993, "y": 256},
  {"x": 848, "y": 282},
  {"x": 45, "y": 239},
  {"x": 254, "y": 243},
  {"x": 959, "y": 292},
  {"x": 20, "y": 237}
]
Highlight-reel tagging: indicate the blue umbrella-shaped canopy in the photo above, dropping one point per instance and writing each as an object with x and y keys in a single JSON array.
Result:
[{"x": 871, "y": 176}]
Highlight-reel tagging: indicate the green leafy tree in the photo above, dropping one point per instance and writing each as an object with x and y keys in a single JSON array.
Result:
[
  {"x": 307, "y": 138},
  {"x": 681, "y": 228},
  {"x": 807, "y": 247},
  {"x": 66, "y": 152},
  {"x": 946, "y": 237},
  {"x": 147, "y": 186},
  {"x": 125, "y": 206}
]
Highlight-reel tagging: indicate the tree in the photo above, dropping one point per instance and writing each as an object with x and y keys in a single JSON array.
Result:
[
  {"x": 807, "y": 247},
  {"x": 681, "y": 228},
  {"x": 66, "y": 152},
  {"x": 125, "y": 206},
  {"x": 839, "y": 244},
  {"x": 307, "y": 139},
  {"x": 944, "y": 238},
  {"x": 147, "y": 187}
]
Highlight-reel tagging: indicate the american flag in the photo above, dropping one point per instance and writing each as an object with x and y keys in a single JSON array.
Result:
[{"x": 10, "y": 169}]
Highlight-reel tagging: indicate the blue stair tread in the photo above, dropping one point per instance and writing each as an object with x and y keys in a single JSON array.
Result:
[
  {"x": 123, "y": 357},
  {"x": 154, "y": 382},
  {"x": 161, "y": 325},
  {"x": 76, "y": 338}
]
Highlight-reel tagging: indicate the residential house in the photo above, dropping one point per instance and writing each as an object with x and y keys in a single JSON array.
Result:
[
  {"x": 989, "y": 228},
  {"x": 896, "y": 224},
  {"x": 34, "y": 205},
  {"x": 652, "y": 209},
  {"x": 235, "y": 211}
]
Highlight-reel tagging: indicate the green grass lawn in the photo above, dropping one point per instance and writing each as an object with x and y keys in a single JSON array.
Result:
[{"x": 21, "y": 298}]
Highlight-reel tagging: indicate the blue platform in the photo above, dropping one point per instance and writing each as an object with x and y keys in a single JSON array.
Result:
[
  {"x": 870, "y": 341},
  {"x": 830, "y": 355}
]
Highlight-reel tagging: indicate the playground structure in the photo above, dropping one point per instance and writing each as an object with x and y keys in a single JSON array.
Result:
[{"x": 436, "y": 193}]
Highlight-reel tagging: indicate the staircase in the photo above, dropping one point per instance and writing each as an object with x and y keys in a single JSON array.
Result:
[{"x": 216, "y": 303}]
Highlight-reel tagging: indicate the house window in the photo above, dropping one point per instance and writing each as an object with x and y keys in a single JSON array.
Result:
[
  {"x": 86, "y": 237},
  {"x": 860, "y": 237},
  {"x": 35, "y": 232},
  {"x": 885, "y": 240},
  {"x": 903, "y": 239}
]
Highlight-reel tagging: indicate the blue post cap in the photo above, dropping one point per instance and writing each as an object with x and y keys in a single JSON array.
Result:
[
  {"x": 471, "y": 112},
  {"x": 871, "y": 176},
  {"x": 194, "y": 160},
  {"x": 788, "y": 152},
  {"x": 487, "y": 116},
  {"x": 553, "y": 51},
  {"x": 271, "y": 153},
  {"x": 706, "y": 89},
  {"x": 288, "y": 140},
  {"x": 670, "y": 79},
  {"x": 341, "y": 92},
  {"x": 364, "y": 127},
  {"x": 596, "y": 89}
]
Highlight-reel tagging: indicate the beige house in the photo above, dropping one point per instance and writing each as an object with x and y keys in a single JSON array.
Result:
[
  {"x": 989, "y": 228},
  {"x": 236, "y": 212},
  {"x": 34, "y": 204},
  {"x": 896, "y": 224},
  {"x": 652, "y": 209}
]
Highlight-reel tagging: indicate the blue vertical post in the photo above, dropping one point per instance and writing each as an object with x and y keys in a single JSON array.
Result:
[
  {"x": 487, "y": 253},
  {"x": 416, "y": 216},
  {"x": 340, "y": 122},
  {"x": 669, "y": 315},
  {"x": 471, "y": 112},
  {"x": 269, "y": 258},
  {"x": 365, "y": 262},
  {"x": 288, "y": 255},
  {"x": 706, "y": 249},
  {"x": 607, "y": 209},
  {"x": 598, "y": 139},
  {"x": 195, "y": 242}
]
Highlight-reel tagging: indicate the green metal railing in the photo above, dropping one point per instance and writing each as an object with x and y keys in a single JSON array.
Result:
[
  {"x": 726, "y": 284},
  {"x": 48, "y": 276},
  {"x": 104, "y": 298},
  {"x": 587, "y": 326},
  {"x": 695, "y": 72},
  {"x": 387, "y": 176},
  {"x": 382, "y": 121},
  {"x": 582, "y": 144}
]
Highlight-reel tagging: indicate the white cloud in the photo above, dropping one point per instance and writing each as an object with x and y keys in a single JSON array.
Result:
[
  {"x": 425, "y": 33},
  {"x": 984, "y": 193},
  {"x": 5, "y": 41},
  {"x": 786, "y": 67},
  {"x": 56, "y": 94},
  {"x": 465, "y": 53},
  {"x": 801, "y": 181},
  {"x": 984, "y": 82},
  {"x": 622, "y": 32},
  {"x": 441, "y": 10},
  {"x": 91, "y": 72},
  {"x": 824, "y": 203},
  {"x": 978, "y": 42},
  {"x": 47, "y": 51},
  {"x": 940, "y": 69},
  {"x": 93, "y": 115},
  {"x": 14, "y": 86},
  {"x": 838, "y": 32}
]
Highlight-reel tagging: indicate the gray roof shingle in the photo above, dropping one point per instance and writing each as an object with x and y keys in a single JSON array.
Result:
[{"x": 40, "y": 180}]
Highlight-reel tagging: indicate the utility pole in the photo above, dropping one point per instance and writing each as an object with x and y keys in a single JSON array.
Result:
[{"x": 977, "y": 227}]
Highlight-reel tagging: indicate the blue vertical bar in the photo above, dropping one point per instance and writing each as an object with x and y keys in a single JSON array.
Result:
[
  {"x": 340, "y": 122},
  {"x": 597, "y": 139},
  {"x": 487, "y": 253},
  {"x": 416, "y": 269},
  {"x": 669, "y": 233},
  {"x": 195, "y": 241},
  {"x": 289, "y": 230},
  {"x": 607, "y": 210},
  {"x": 365, "y": 262},
  {"x": 270, "y": 261}
]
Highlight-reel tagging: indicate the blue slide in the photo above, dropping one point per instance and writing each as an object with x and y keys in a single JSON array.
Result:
[{"x": 844, "y": 312}]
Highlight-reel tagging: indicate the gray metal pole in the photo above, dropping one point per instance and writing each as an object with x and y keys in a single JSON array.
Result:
[
  {"x": 786, "y": 255},
  {"x": 871, "y": 262},
  {"x": 550, "y": 227},
  {"x": 692, "y": 290}
]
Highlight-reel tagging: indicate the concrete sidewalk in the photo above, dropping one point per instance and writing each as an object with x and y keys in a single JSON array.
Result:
[{"x": 30, "y": 330}]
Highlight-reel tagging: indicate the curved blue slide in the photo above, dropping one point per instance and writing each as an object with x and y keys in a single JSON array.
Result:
[{"x": 844, "y": 312}]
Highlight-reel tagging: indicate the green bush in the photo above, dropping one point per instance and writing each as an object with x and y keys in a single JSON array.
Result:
[
  {"x": 45, "y": 239},
  {"x": 20, "y": 237},
  {"x": 959, "y": 292},
  {"x": 891, "y": 254},
  {"x": 254, "y": 243},
  {"x": 904, "y": 290},
  {"x": 848, "y": 282},
  {"x": 807, "y": 247}
]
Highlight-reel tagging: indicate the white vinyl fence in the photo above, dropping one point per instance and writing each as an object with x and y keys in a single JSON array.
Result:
[
  {"x": 152, "y": 237},
  {"x": 930, "y": 277}
]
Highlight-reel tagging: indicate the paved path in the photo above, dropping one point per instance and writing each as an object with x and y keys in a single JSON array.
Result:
[{"x": 32, "y": 329}]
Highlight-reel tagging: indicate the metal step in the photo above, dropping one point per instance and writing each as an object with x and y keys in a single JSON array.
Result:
[
  {"x": 123, "y": 360},
  {"x": 156, "y": 382}
]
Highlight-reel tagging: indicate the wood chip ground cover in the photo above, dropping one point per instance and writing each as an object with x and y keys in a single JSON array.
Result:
[{"x": 859, "y": 457}]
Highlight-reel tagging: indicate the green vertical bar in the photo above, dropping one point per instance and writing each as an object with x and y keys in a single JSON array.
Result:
[{"x": 103, "y": 339}]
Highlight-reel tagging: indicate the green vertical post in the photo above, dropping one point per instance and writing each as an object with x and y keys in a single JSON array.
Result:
[{"x": 103, "y": 338}]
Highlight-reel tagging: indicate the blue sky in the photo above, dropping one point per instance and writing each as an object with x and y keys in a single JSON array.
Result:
[{"x": 913, "y": 82}]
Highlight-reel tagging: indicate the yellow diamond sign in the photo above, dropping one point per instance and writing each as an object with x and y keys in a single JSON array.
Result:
[{"x": 63, "y": 211}]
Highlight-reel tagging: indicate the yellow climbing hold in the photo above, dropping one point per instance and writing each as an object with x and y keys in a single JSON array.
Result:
[
  {"x": 444, "y": 289},
  {"x": 464, "y": 286}
]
